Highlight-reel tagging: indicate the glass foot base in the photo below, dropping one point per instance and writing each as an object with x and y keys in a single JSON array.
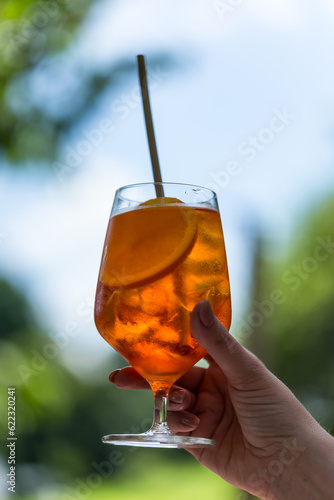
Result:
[{"x": 158, "y": 440}]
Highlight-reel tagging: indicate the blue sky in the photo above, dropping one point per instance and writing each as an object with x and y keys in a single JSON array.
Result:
[{"x": 248, "y": 110}]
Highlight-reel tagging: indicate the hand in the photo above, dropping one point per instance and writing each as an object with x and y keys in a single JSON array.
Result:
[{"x": 267, "y": 443}]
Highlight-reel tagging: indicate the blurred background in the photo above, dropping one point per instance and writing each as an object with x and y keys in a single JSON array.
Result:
[{"x": 243, "y": 102}]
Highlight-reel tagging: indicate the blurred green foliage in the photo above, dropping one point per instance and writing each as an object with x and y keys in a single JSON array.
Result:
[
  {"x": 294, "y": 336},
  {"x": 151, "y": 476},
  {"x": 47, "y": 87},
  {"x": 32, "y": 34},
  {"x": 59, "y": 418}
]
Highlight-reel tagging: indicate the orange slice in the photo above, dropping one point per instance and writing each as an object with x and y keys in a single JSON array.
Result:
[
  {"x": 146, "y": 244},
  {"x": 162, "y": 201}
]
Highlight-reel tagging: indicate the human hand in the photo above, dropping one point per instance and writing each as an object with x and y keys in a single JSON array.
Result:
[{"x": 267, "y": 443}]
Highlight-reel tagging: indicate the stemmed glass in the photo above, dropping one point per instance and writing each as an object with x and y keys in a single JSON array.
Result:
[{"x": 162, "y": 255}]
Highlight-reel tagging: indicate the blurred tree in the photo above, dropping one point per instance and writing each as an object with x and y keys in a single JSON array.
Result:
[
  {"x": 59, "y": 419},
  {"x": 46, "y": 88},
  {"x": 290, "y": 321},
  {"x": 30, "y": 32}
]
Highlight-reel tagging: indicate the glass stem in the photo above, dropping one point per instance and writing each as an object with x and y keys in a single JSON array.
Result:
[{"x": 160, "y": 412}]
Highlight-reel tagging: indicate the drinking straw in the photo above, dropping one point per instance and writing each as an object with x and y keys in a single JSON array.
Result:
[{"x": 149, "y": 126}]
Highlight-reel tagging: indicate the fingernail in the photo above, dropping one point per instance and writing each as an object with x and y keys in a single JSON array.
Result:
[
  {"x": 113, "y": 375},
  {"x": 206, "y": 315},
  {"x": 177, "y": 395},
  {"x": 190, "y": 421}
]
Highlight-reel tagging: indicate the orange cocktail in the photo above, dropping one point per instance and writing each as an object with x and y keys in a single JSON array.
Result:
[
  {"x": 161, "y": 257},
  {"x": 146, "y": 294}
]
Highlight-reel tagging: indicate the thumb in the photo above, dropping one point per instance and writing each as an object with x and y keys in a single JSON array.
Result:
[{"x": 238, "y": 364}]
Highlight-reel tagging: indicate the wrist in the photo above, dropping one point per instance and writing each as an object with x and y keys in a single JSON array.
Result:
[{"x": 311, "y": 475}]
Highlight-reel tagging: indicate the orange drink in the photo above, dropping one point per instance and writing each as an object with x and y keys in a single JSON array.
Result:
[
  {"x": 161, "y": 257},
  {"x": 159, "y": 261}
]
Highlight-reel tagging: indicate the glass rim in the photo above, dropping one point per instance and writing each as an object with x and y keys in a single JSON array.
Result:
[{"x": 152, "y": 183}]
